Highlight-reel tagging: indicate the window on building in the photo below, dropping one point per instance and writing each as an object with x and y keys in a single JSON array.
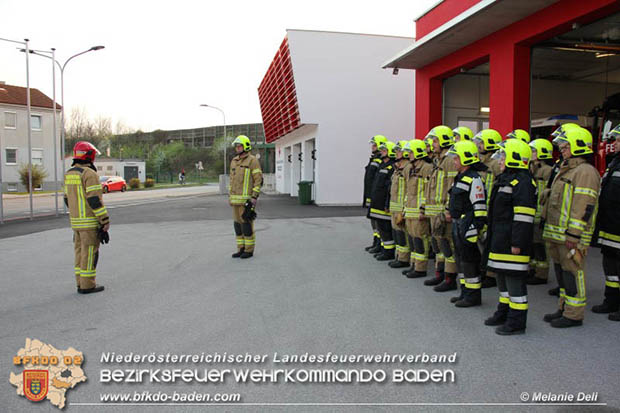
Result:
[
  {"x": 110, "y": 167},
  {"x": 11, "y": 187},
  {"x": 11, "y": 156},
  {"x": 36, "y": 122},
  {"x": 10, "y": 120},
  {"x": 37, "y": 156}
]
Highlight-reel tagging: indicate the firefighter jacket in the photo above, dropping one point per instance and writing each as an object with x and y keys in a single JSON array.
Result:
[
  {"x": 416, "y": 181},
  {"x": 380, "y": 193},
  {"x": 440, "y": 182},
  {"x": 511, "y": 221},
  {"x": 246, "y": 179},
  {"x": 84, "y": 198},
  {"x": 490, "y": 174},
  {"x": 541, "y": 171},
  {"x": 468, "y": 205},
  {"x": 570, "y": 210},
  {"x": 608, "y": 218},
  {"x": 369, "y": 175},
  {"x": 398, "y": 188}
]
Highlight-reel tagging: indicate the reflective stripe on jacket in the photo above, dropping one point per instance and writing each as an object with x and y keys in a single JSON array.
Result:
[
  {"x": 84, "y": 198},
  {"x": 570, "y": 210},
  {"x": 397, "y": 187},
  {"x": 440, "y": 182},
  {"x": 511, "y": 220},
  {"x": 380, "y": 194},
  {"x": 246, "y": 179},
  {"x": 541, "y": 173},
  {"x": 415, "y": 182},
  {"x": 608, "y": 218}
]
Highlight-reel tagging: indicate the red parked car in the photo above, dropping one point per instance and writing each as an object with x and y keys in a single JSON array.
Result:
[{"x": 113, "y": 183}]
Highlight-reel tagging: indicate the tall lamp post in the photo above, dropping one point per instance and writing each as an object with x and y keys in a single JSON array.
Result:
[
  {"x": 225, "y": 140},
  {"x": 63, "y": 132},
  {"x": 26, "y": 48}
]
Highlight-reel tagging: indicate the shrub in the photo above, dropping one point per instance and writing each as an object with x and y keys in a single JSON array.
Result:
[
  {"x": 149, "y": 183},
  {"x": 38, "y": 175},
  {"x": 134, "y": 183}
]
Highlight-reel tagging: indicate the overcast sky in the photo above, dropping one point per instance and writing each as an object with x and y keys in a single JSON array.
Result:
[{"x": 162, "y": 59}]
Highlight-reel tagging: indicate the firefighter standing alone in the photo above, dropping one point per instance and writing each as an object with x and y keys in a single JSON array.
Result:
[
  {"x": 88, "y": 217},
  {"x": 246, "y": 179}
]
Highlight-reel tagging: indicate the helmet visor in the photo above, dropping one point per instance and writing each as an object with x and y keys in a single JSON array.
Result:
[
  {"x": 500, "y": 155},
  {"x": 613, "y": 135}
]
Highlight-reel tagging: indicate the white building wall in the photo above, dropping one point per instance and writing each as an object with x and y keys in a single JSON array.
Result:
[
  {"x": 106, "y": 167},
  {"x": 18, "y": 138},
  {"x": 342, "y": 89}
]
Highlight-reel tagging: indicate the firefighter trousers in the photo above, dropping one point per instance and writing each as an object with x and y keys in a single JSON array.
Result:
[
  {"x": 399, "y": 233},
  {"x": 385, "y": 232},
  {"x": 467, "y": 256},
  {"x": 611, "y": 268},
  {"x": 513, "y": 298},
  {"x": 418, "y": 232},
  {"x": 571, "y": 280},
  {"x": 375, "y": 231},
  {"x": 442, "y": 233},
  {"x": 244, "y": 230},
  {"x": 86, "y": 248},
  {"x": 539, "y": 262}
]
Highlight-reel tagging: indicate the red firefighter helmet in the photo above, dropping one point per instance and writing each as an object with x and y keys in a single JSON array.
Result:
[{"x": 85, "y": 151}]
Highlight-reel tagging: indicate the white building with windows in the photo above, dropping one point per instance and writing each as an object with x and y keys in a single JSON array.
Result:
[
  {"x": 322, "y": 99},
  {"x": 14, "y": 136}
]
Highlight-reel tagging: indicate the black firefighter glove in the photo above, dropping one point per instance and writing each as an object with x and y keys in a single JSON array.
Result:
[
  {"x": 249, "y": 213},
  {"x": 103, "y": 236}
]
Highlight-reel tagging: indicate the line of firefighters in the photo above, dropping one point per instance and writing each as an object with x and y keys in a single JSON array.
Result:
[{"x": 491, "y": 212}]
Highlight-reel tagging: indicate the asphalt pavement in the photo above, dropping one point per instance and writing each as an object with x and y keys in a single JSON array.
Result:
[{"x": 172, "y": 287}]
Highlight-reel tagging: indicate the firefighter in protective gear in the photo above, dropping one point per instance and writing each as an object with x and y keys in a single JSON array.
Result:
[
  {"x": 397, "y": 204},
  {"x": 246, "y": 179},
  {"x": 569, "y": 215},
  {"x": 540, "y": 167},
  {"x": 608, "y": 229},
  {"x": 418, "y": 225},
  {"x": 84, "y": 198},
  {"x": 462, "y": 133},
  {"x": 380, "y": 201},
  {"x": 488, "y": 141},
  {"x": 436, "y": 207},
  {"x": 467, "y": 210},
  {"x": 369, "y": 176},
  {"x": 554, "y": 171},
  {"x": 519, "y": 134},
  {"x": 511, "y": 229}
]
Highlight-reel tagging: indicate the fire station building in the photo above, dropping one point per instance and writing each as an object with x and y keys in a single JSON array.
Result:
[
  {"x": 508, "y": 64},
  {"x": 322, "y": 99}
]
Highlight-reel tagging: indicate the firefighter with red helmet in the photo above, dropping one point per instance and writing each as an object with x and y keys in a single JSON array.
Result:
[{"x": 88, "y": 216}]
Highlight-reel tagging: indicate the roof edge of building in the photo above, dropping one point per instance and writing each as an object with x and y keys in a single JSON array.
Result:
[{"x": 350, "y": 33}]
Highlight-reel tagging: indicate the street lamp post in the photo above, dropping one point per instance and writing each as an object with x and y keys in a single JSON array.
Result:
[
  {"x": 26, "y": 48},
  {"x": 62, "y": 67},
  {"x": 225, "y": 140}
]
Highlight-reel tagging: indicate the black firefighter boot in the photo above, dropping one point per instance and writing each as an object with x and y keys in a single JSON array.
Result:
[
  {"x": 605, "y": 308},
  {"x": 386, "y": 255},
  {"x": 471, "y": 297},
  {"x": 238, "y": 253},
  {"x": 499, "y": 317},
  {"x": 415, "y": 274},
  {"x": 461, "y": 294},
  {"x": 448, "y": 284},
  {"x": 376, "y": 248},
  {"x": 614, "y": 316},
  {"x": 398, "y": 264},
  {"x": 436, "y": 280},
  {"x": 376, "y": 241},
  {"x": 515, "y": 323}
]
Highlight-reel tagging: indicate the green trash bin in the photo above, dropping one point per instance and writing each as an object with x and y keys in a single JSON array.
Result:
[{"x": 305, "y": 192}]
